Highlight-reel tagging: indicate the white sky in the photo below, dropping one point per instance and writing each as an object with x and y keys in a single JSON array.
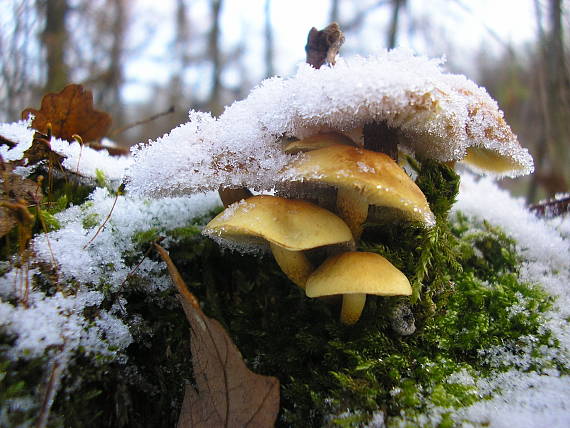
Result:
[{"x": 456, "y": 29}]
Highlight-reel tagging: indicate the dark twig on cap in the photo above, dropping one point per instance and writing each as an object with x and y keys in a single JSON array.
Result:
[{"x": 323, "y": 46}]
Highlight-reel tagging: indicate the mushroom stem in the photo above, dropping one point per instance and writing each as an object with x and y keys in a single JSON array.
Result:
[
  {"x": 230, "y": 195},
  {"x": 294, "y": 264},
  {"x": 352, "y": 306},
  {"x": 353, "y": 209}
]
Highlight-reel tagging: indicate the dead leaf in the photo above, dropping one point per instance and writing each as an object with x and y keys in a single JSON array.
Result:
[
  {"x": 70, "y": 112},
  {"x": 16, "y": 191},
  {"x": 228, "y": 393}
]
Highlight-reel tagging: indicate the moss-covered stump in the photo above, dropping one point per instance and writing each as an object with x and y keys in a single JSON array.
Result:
[{"x": 469, "y": 302}]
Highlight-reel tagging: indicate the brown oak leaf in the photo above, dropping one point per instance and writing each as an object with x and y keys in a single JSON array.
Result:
[
  {"x": 70, "y": 112},
  {"x": 228, "y": 394}
]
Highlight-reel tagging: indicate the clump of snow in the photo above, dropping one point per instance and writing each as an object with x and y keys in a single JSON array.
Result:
[
  {"x": 19, "y": 133},
  {"x": 86, "y": 161},
  {"x": 439, "y": 115}
]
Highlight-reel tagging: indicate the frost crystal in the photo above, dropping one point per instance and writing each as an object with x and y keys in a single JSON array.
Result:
[{"x": 438, "y": 115}]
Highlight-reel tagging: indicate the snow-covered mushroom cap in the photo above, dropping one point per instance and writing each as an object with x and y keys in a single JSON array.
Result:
[{"x": 438, "y": 115}]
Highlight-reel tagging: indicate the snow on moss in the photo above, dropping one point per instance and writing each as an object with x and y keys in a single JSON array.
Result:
[
  {"x": 439, "y": 115},
  {"x": 104, "y": 258},
  {"x": 82, "y": 160}
]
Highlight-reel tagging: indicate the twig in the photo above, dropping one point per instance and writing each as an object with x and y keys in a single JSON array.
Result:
[
  {"x": 118, "y": 131},
  {"x": 119, "y": 192},
  {"x": 552, "y": 207},
  {"x": 150, "y": 248},
  {"x": 49, "y": 395}
]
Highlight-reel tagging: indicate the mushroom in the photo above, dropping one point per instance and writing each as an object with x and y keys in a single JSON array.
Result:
[
  {"x": 288, "y": 226},
  {"x": 317, "y": 141},
  {"x": 362, "y": 178},
  {"x": 354, "y": 275}
]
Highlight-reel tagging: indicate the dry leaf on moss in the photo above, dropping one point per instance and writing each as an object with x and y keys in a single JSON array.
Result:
[
  {"x": 228, "y": 394},
  {"x": 15, "y": 189},
  {"x": 70, "y": 112}
]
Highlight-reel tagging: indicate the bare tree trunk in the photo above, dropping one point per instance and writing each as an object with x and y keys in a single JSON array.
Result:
[
  {"x": 216, "y": 56},
  {"x": 553, "y": 153},
  {"x": 113, "y": 80},
  {"x": 54, "y": 39},
  {"x": 393, "y": 31},
  {"x": 334, "y": 15},
  {"x": 269, "y": 51}
]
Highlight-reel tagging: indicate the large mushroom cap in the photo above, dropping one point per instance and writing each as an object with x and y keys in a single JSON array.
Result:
[
  {"x": 291, "y": 224},
  {"x": 439, "y": 115},
  {"x": 374, "y": 176},
  {"x": 355, "y": 273}
]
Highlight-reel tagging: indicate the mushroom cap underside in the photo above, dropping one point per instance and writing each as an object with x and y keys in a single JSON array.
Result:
[
  {"x": 357, "y": 272},
  {"x": 375, "y": 176},
  {"x": 292, "y": 224}
]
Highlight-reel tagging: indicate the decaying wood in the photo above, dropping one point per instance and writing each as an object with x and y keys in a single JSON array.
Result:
[
  {"x": 323, "y": 46},
  {"x": 552, "y": 207}
]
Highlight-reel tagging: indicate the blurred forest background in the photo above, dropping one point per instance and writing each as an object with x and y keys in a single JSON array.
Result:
[{"x": 162, "y": 58}]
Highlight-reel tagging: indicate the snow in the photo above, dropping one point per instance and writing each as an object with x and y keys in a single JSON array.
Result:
[
  {"x": 81, "y": 160},
  {"x": 20, "y": 133},
  {"x": 439, "y": 115},
  {"x": 104, "y": 257}
]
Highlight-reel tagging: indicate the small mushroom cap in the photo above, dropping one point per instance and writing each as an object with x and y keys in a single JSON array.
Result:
[
  {"x": 318, "y": 141},
  {"x": 357, "y": 272},
  {"x": 292, "y": 224},
  {"x": 375, "y": 176}
]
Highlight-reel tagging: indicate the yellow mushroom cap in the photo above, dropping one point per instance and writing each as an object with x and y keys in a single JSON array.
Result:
[
  {"x": 317, "y": 141},
  {"x": 357, "y": 273},
  {"x": 374, "y": 176},
  {"x": 291, "y": 224}
]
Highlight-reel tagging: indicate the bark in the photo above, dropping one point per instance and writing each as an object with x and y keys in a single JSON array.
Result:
[
  {"x": 393, "y": 31},
  {"x": 54, "y": 39},
  {"x": 216, "y": 56},
  {"x": 323, "y": 46},
  {"x": 269, "y": 47}
]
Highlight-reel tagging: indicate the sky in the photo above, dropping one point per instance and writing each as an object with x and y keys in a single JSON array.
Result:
[{"x": 455, "y": 29}]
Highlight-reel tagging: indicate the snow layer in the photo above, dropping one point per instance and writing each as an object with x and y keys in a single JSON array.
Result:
[
  {"x": 81, "y": 160},
  {"x": 439, "y": 115},
  {"x": 522, "y": 398}
]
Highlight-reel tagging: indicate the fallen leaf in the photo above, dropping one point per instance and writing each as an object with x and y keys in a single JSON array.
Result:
[
  {"x": 15, "y": 189},
  {"x": 228, "y": 394},
  {"x": 70, "y": 112}
]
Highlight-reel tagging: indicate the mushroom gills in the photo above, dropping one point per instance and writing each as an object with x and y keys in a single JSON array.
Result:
[{"x": 489, "y": 160}]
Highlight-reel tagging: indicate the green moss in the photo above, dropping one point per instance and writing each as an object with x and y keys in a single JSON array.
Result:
[{"x": 468, "y": 298}]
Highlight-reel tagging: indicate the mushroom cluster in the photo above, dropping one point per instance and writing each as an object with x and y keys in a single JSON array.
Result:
[
  {"x": 327, "y": 141},
  {"x": 365, "y": 186}
]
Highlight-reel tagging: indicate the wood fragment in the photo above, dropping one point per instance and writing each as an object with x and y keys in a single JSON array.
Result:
[
  {"x": 552, "y": 208},
  {"x": 323, "y": 46}
]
